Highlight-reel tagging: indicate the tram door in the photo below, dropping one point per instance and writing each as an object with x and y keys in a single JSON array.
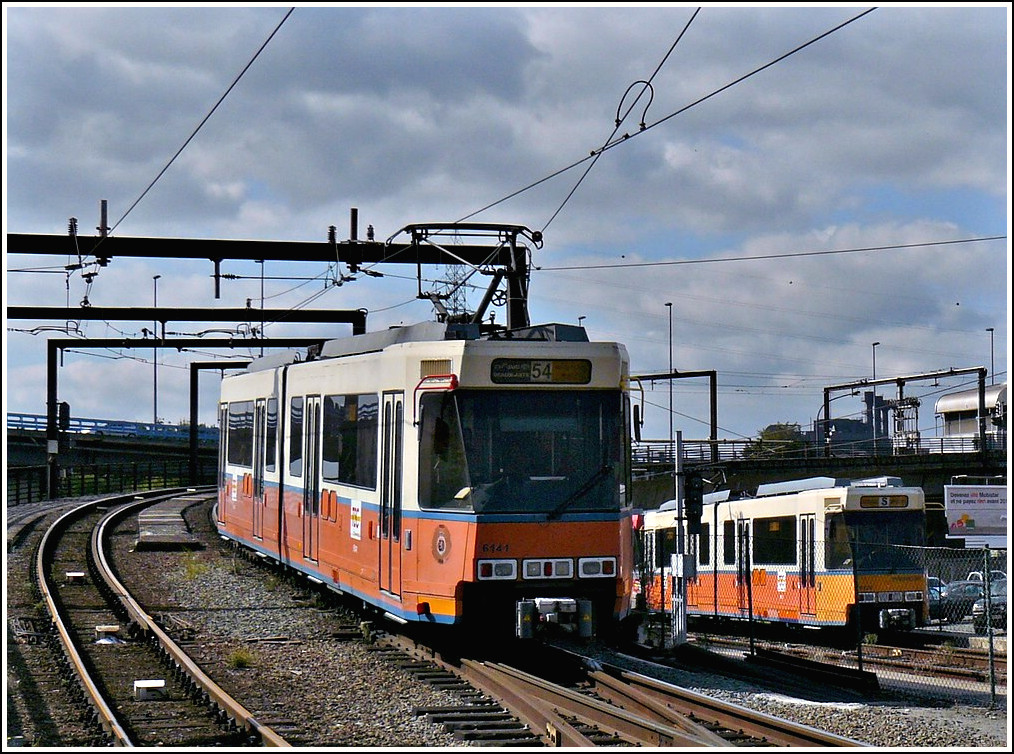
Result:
[
  {"x": 391, "y": 492},
  {"x": 807, "y": 564},
  {"x": 311, "y": 477},
  {"x": 260, "y": 430},
  {"x": 743, "y": 564}
]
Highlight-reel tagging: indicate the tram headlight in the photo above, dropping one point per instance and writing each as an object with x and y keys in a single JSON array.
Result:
[
  {"x": 548, "y": 568},
  {"x": 596, "y": 568},
  {"x": 497, "y": 570},
  {"x": 913, "y": 596}
]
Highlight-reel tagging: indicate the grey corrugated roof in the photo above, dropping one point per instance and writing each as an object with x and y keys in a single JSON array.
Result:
[{"x": 968, "y": 400}]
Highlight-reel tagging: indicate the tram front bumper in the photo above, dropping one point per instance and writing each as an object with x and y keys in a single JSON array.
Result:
[
  {"x": 565, "y": 614},
  {"x": 897, "y": 618}
]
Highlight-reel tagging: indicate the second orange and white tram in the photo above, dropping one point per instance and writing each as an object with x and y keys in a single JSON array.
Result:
[{"x": 815, "y": 553}]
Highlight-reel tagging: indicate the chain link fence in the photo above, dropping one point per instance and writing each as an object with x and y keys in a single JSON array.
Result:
[{"x": 877, "y": 603}]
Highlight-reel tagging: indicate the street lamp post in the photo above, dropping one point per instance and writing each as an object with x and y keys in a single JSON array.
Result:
[
  {"x": 823, "y": 428},
  {"x": 672, "y": 440},
  {"x": 154, "y": 334},
  {"x": 580, "y": 320},
  {"x": 873, "y": 408},
  {"x": 992, "y": 368}
]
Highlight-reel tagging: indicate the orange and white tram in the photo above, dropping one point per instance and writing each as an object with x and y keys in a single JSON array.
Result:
[
  {"x": 798, "y": 553},
  {"x": 441, "y": 477}
]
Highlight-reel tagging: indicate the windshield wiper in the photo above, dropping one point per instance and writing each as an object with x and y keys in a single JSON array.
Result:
[{"x": 580, "y": 492}]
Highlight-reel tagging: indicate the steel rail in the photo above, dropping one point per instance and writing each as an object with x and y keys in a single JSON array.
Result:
[
  {"x": 536, "y": 716},
  {"x": 106, "y": 716},
  {"x": 776, "y": 730},
  {"x": 942, "y": 663},
  {"x": 540, "y": 716},
  {"x": 603, "y": 715},
  {"x": 182, "y": 661},
  {"x": 544, "y": 707},
  {"x": 634, "y": 698}
]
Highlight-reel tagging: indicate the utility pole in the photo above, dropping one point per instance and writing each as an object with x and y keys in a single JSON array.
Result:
[{"x": 154, "y": 351}]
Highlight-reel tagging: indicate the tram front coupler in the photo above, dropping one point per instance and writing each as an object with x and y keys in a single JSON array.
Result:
[
  {"x": 564, "y": 614},
  {"x": 897, "y": 619}
]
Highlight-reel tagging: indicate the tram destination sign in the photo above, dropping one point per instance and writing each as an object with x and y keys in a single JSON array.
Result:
[{"x": 540, "y": 371}]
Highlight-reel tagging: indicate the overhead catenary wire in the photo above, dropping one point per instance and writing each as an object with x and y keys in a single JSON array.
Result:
[
  {"x": 203, "y": 121},
  {"x": 786, "y": 255},
  {"x": 89, "y": 277},
  {"x": 627, "y": 137},
  {"x": 620, "y": 120}
]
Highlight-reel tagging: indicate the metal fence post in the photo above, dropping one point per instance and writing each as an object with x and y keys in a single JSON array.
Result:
[
  {"x": 749, "y": 589},
  {"x": 988, "y": 599},
  {"x": 854, "y": 547}
]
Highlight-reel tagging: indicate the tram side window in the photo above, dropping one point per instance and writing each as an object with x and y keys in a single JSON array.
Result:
[
  {"x": 774, "y": 540},
  {"x": 271, "y": 436},
  {"x": 704, "y": 544},
  {"x": 240, "y": 441},
  {"x": 442, "y": 454},
  {"x": 729, "y": 542},
  {"x": 296, "y": 436},
  {"x": 351, "y": 431}
]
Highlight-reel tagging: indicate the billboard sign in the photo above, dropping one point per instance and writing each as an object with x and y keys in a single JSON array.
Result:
[{"x": 976, "y": 510}]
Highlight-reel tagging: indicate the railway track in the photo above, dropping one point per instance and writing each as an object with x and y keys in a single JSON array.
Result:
[
  {"x": 136, "y": 686},
  {"x": 39, "y": 710},
  {"x": 597, "y": 705},
  {"x": 475, "y": 716},
  {"x": 594, "y": 708},
  {"x": 943, "y": 662}
]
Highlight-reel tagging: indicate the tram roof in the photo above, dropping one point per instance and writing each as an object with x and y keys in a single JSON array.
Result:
[
  {"x": 824, "y": 482},
  {"x": 436, "y": 331}
]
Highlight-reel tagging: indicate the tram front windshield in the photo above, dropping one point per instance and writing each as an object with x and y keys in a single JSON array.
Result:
[
  {"x": 879, "y": 541},
  {"x": 520, "y": 451}
]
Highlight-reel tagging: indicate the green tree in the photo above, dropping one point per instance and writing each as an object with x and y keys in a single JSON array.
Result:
[{"x": 777, "y": 439}]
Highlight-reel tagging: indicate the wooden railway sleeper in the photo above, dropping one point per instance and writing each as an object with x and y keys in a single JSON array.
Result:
[
  {"x": 488, "y": 726},
  {"x": 594, "y": 734}
]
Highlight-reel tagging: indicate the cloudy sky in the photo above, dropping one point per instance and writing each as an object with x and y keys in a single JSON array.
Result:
[{"x": 809, "y": 181}]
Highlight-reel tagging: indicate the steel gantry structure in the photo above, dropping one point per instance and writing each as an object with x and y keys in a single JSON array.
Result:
[
  {"x": 435, "y": 244},
  {"x": 424, "y": 243},
  {"x": 981, "y": 415}
]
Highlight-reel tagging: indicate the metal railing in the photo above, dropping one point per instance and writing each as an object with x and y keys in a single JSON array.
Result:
[
  {"x": 29, "y": 484},
  {"x": 661, "y": 452},
  {"x": 112, "y": 428}
]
